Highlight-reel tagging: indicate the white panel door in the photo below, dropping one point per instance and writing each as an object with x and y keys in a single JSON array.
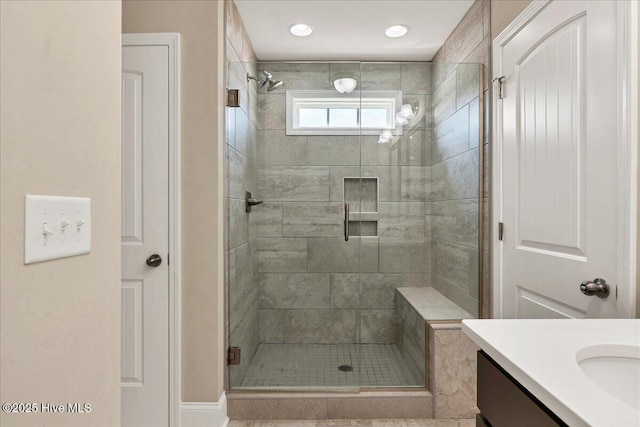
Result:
[
  {"x": 145, "y": 221},
  {"x": 559, "y": 162}
]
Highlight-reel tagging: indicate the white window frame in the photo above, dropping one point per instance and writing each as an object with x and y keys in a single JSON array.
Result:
[{"x": 391, "y": 100}]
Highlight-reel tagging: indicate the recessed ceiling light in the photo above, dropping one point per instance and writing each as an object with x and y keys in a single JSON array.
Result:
[
  {"x": 396, "y": 31},
  {"x": 301, "y": 30}
]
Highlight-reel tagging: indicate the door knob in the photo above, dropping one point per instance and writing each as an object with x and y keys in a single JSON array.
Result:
[
  {"x": 154, "y": 260},
  {"x": 599, "y": 287}
]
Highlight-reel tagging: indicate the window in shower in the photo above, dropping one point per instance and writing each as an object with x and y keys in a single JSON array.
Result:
[{"x": 316, "y": 112}]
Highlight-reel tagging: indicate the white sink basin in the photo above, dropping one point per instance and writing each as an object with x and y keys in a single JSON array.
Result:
[{"x": 615, "y": 368}]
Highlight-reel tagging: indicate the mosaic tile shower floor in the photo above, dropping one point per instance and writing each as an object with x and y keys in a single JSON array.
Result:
[{"x": 316, "y": 365}]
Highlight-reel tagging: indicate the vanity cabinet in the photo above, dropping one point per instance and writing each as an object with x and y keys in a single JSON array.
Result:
[{"x": 504, "y": 402}]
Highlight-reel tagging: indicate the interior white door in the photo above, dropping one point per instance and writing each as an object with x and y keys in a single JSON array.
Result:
[
  {"x": 559, "y": 162},
  {"x": 145, "y": 221}
]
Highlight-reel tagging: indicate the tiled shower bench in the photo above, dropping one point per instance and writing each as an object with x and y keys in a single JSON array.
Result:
[{"x": 415, "y": 308}]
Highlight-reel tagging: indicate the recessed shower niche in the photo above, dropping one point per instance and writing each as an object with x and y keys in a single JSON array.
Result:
[{"x": 361, "y": 197}]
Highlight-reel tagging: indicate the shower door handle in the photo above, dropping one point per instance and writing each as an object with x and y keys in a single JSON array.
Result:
[{"x": 346, "y": 222}]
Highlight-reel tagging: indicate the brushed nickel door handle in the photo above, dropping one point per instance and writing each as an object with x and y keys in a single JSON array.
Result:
[
  {"x": 346, "y": 222},
  {"x": 598, "y": 287},
  {"x": 154, "y": 260}
]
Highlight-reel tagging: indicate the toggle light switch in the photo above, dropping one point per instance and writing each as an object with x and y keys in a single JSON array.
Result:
[{"x": 47, "y": 234}]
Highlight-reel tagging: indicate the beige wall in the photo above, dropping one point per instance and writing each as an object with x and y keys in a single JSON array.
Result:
[
  {"x": 503, "y": 12},
  {"x": 200, "y": 24},
  {"x": 60, "y": 135}
]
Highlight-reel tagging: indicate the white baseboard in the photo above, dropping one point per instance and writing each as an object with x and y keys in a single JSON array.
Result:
[{"x": 204, "y": 414}]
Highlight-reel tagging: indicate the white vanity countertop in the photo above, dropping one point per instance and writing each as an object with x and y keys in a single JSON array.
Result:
[{"x": 541, "y": 355}]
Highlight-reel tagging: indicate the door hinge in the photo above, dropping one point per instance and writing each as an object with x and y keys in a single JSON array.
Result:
[
  {"x": 500, "y": 231},
  {"x": 501, "y": 82},
  {"x": 233, "y": 98},
  {"x": 168, "y": 261},
  {"x": 233, "y": 356}
]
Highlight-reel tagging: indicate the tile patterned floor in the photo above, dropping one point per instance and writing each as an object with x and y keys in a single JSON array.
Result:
[
  {"x": 359, "y": 423},
  {"x": 316, "y": 365}
]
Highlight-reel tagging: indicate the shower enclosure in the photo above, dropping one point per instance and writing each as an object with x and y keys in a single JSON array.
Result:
[{"x": 368, "y": 221}]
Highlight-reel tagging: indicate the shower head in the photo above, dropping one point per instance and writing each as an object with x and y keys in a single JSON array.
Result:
[
  {"x": 274, "y": 84},
  {"x": 266, "y": 77}
]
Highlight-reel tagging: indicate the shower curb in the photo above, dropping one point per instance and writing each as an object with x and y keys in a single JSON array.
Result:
[{"x": 388, "y": 404}]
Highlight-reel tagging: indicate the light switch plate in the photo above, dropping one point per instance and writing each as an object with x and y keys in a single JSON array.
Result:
[{"x": 56, "y": 227}]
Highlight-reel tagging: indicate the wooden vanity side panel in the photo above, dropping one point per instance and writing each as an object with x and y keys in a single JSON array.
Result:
[{"x": 506, "y": 403}]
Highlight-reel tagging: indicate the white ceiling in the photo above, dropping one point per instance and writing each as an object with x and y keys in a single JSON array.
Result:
[{"x": 350, "y": 29}]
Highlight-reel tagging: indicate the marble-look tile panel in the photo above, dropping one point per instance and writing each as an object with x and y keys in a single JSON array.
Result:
[
  {"x": 455, "y": 221},
  {"x": 236, "y": 165},
  {"x": 336, "y": 178},
  {"x": 248, "y": 54},
  {"x": 242, "y": 268},
  {"x": 272, "y": 111},
  {"x": 378, "y": 290},
  {"x": 292, "y": 183},
  {"x": 342, "y": 150},
  {"x": 438, "y": 68},
  {"x": 467, "y": 35},
  {"x": 461, "y": 176},
  {"x": 234, "y": 27},
  {"x": 378, "y": 326},
  {"x": 451, "y": 136},
  {"x": 341, "y": 70},
  {"x": 415, "y": 183},
  {"x": 380, "y": 76},
  {"x": 345, "y": 291},
  {"x": 238, "y": 223},
  {"x": 294, "y": 290},
  {"x": 402, "y": 219},
  {"x": 253, "y": 110},
  {"x": 467, "y": 83},
  {"x": 243, "y": 307},
  {"x": 312, "y": 219},
  {"x": 401, "y": 183},
  {"x": 369, "y": 254},
  {"x": 403, "y": 255},
  {"x": 308, "y": 326},
  {"x": 246, "y": 136},
  {"x": 266, "y": 219},
  {"x": 279, "y": 149},
  {"x": 247, "y": 337},
  {"x": 335, "y": 255},
  {"x": 454, "y": 374},
  {"x": 444, "y": 99},
  {"x": 249, "y": 263},
  {"x": 413, "y": 353},
  {"x": 230, "y": 126},
  {"x": 437, "y": 189},
  {"x": 412, "y": 149},
  {"x": 310, "y": 76},
  {"x": 282, "y": 255},
  {"x": 456, "y": 264},
  {"x": 416, "y": 77},
  {"x": 237, "y": 78}
]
